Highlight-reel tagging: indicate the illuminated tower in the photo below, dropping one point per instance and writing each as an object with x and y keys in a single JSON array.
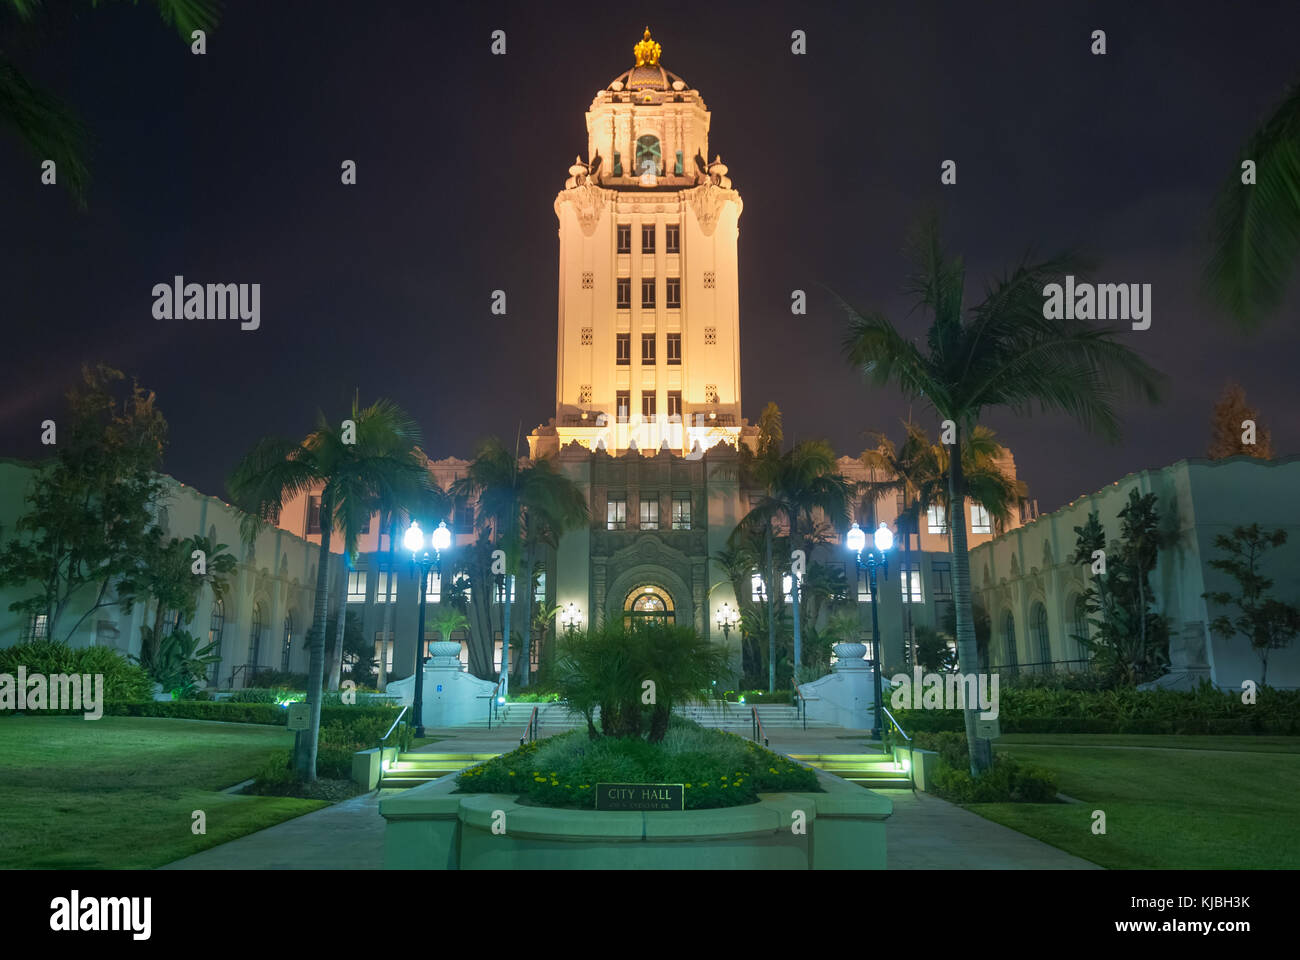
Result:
[{"x": 649, "y": 316}]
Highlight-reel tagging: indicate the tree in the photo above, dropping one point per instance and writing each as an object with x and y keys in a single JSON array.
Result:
[
  {"x": 91, "y": 507},
  {"x": 1268, "y": 623},
  {"x": 1005, "y": 354},
  {"x": 173, "y": 577},
  {"x": 352, "y": 463},
  {"x": 934, "y": 654},
  {"x": 49, "y": 128},
  {"x": 1129, "y": 641},
  {"x": 522, "y": 510},
  {"x": 805, "y": 496},
  {"x": 1228, "y": 427},
  {"x": 1257, "y": 219}
]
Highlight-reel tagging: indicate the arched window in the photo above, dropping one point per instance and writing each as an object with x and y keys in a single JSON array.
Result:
[
  {"x": 648, "y": 604},
  {"x": 1041, "y": 636},
  {"x": 216, "y": 627},
  {"x": 649, "y": 157},
  {"x": 255, "y": 635},
  {"x": 1009, "y": 637},
  {"x": 288, "y": 642}
]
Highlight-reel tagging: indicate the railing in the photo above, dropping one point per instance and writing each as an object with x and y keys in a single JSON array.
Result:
[
  {"x": 801, "y": 703},
  {"x": 757, "y": 726},
  {"x": 492, "y": 698},
  {"x": 530, "y": 731},
  {"x": 247, "y": 669},
  {"x": 911, "y": 765},
  {"x": 383, "y": 740}
]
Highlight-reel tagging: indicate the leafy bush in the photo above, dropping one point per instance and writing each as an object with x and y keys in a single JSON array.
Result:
[
  {"x": 1126, "y": 710},
  {"x": 181, "y": 661},
  {"x": 1007, "y": 780},
  {"x": 278, "y": 680},
  {"x": 759, "y": 696},
  {"x": 534, "y": 696},
  {"x": 718, "y": 769},
  {"x": 123, "y": 680},
  {"x": 255, "y": 695}
]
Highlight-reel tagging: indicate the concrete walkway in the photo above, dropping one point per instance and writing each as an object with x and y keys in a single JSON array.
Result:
[{"x": 924, "y": 833}]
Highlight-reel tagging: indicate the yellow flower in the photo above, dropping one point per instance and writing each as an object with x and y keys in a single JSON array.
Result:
[
  {"x": 512, "y": 773},
  {"x": 688, "y": 786}
]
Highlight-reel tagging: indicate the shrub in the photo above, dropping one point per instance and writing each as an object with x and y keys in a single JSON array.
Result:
[
  {"x": 278, "y": 679},
  {"x": 1006, "y": 781},
  {"x": 718, "y": 769},
  {"x": 123, "y": 680},
  {"x": 255, "y": 695}
]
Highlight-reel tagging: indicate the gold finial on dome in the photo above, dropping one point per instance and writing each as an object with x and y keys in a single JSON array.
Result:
[{"x": 647, "y": 51}]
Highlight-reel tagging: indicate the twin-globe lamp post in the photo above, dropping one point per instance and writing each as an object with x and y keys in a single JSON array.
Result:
[
  {"x": 877, "y": 555},
  {"x": 414, "y": 541}
]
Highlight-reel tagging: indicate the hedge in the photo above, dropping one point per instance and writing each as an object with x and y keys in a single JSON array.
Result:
[{"x": 264, "y": 713}]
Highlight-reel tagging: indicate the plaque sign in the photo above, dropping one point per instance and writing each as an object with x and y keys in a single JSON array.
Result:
[
  {"x": 640, "y": 796},
  {"x": 299, "y": 716},
  {"x": 988, "y": 729}
]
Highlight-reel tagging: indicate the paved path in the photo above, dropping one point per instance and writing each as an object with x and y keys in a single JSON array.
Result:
[{"x": 924, "y": 832}]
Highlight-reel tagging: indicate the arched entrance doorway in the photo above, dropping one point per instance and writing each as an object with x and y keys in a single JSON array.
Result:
[{"x": 648, "y": 604}]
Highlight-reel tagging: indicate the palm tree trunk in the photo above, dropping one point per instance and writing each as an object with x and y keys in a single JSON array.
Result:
[
  {"x": 336, "y": 660},
  {"x": 967, "y": 654},
  {"x": 794, "y": 602},
  {"x": 389, "y": 613},
  {"x": 530, "y": 571},
  {"x": 305, "y": 747},
  {"x": 771, "y": 617},
  {"x": 907, "y": 584},
  {"x": 505, "y": 630}
]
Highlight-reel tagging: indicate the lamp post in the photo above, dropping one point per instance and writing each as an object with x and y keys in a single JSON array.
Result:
[
  {"x": 413, "y": 540},
  {"x": 570, "y": 617},
  {"x": 877, "y": 555}
]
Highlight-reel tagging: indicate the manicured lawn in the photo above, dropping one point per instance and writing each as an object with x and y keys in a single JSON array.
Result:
[
  {"x": 1181, "y": 808},
  {"x": 119, "y": 792}
]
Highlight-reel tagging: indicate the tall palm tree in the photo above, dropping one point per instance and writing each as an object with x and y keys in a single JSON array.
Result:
[
  {"x": 351, "y": 468},
  {"x": 799, "y": 485},
  {"x": 1257, "y": 225},
  {"x": 522, "y": 509},
  {"x": 1006, "y": 353}
]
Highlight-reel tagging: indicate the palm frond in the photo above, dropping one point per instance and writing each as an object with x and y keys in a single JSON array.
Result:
[{"x": 49, "y": 128}]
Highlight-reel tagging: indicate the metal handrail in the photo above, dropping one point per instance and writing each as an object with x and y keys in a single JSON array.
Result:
[
  {"x": 911, "y": 757},
  {"x": 885, "y": 710},
  {"x": 394, "y": 726},
  {"x": 757, "y": 725},
  {"x": 530, "y": 731}
]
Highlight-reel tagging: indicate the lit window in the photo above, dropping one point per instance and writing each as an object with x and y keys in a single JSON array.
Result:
[
  {"x": 623, "y": 405},
  {"x": 942, "y": 579},
  {"x": 911, "y": 578},
  {"x": 979, "y": 519},
  {"x": 313, "y": 515},
  {"x": 681, "y": 511},
  {"x": 936, "y": 518},
  {"x": 785, "y": 587},
  {"x": 616, "y": 514},
  {"x": 38, "y": 627},
  {"x": 649, "y": 512},
  {"x": 433, "y": 588},
  {"x": 384, "y": 586},
  {"x": 757, "y": 590},
  {"x": 384, "y": 650},
  {"x": 356, "y": 586},
  {"x": 853, "y": 571},
  {"x": 539, "y": 588}
]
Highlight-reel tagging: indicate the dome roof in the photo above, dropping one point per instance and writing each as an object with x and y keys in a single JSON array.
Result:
[{"x": 648, "y": 74}]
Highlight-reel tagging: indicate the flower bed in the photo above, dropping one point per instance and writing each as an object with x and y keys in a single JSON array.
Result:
[{"x": 717, "y": 769}]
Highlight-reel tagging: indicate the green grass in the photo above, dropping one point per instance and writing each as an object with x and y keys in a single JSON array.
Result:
[
  {"x": 119, "y": 792},
  {"x": 1181, "y": 808}
]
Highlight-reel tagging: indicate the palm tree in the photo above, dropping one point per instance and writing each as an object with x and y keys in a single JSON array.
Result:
[
  {"x": 49, "y": 128},
  {"x": 1257, "y": 225},
  {"x": 521, "y": 511},
  {"x": 352, "y": 466},
  {"x": 798, "y": 485},
  {"x": 1005, "y": 354}
]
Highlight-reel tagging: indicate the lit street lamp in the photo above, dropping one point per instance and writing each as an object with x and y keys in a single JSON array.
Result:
[
  {"x": 727, "y": 618},
  {"x": 413, "y": 540},
  {"x": 570, "y": 617},
  {"x": 877, "y": 555}
]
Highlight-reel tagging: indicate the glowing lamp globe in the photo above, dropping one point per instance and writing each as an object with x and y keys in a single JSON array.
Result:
[
  {"x": 413, "y": 539},
  {"x": 441, "y": 537},
  {"x": 855, "y": 539},
  {"x": 884, "y": 537}
]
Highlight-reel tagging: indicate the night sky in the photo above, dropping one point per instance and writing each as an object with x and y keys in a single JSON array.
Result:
[{"x": 226, "y": 168}]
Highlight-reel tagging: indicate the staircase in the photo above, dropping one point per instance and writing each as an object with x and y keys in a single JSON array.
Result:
[
  {"x": 555, "y": 717},
  {"x": 872, "y": 770},
  {"x": 413, "y": 769}
]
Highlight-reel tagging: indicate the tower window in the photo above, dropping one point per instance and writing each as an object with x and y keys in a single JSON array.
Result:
[
  {"x": 674, "y": 406},
  {"x": 624, "y": 293},
  {"x": 681, "y": 511},
  {"x": 649, "y": 156},
  {"x": 673, "y": 293},
  {"x": 647, "y": 348},
  {"x": 674, "y": 348},
  {"x": 625, "y": 238},
  {"x": 650, "y": 512},
  {"x": 648, "y": 238},
  {"x": 623, "y": 348},
  {"x": 648, "y": 293},
  {"x": 623, "y": 405},
  {"x": 673, "y": 238},
  {"x": 647, "y": 405}
]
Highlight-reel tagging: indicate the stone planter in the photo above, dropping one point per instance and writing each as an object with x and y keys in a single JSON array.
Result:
[{"x": 431, "y": 827}]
